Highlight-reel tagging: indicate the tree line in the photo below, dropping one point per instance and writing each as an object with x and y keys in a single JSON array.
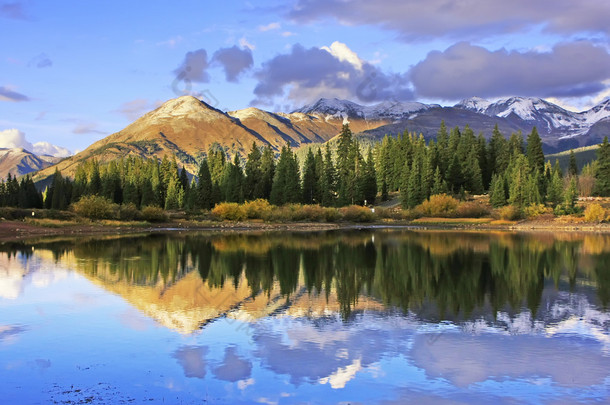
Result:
[{"x": 513, "y": 171}]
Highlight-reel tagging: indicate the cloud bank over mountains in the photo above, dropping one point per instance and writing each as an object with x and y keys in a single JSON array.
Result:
[{"x": 13, "y": 138}]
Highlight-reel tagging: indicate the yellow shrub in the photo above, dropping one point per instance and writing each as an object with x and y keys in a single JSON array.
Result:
[
  {"x": 257, "y": 209},
  {"x": 595, "y": 213},
  {"x": 509, "y": 213},
  {"x": 471, "y": 209},
  {"x": 439, "y": 205},
  {"x": 535, "y": 210},
  {"x": 356, "y": 213},
  {"x": 229, "y": 211}
]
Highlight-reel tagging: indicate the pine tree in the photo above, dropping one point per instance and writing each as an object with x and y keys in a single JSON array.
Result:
[
  {"x": 80, "y": 183},
  {"x": 184, "y": 179},
  {"x": 345, "y": 166},
  {"x": 286, "y": 182},
  {"x": 515, "y": 145},
  {"x": 414, "y": 189},
  {"x": 572, "y": 167},
  {"x": 232, "y": 181},
  {"x": 95, "y": 181},
  {"x": 438, "y": 186},
  {"x": 570, "y": 196},
  {"x": 455, "y": 178},
  {"x": 498, "y": 154},
  {"x": 497, "y": 192},
  {"x": 263, "y": 189},
  {"x": 554, "y": 192},
  {"x": 370, "y": 179},
  {"x": 442, "y": 140},
  {"x": 535, "y": 155},
  {"x": 319, "y": 164},
  {"x": 253, "y": 173},
  {"x": 602, "y": 174},
  {"x": 328, "y": 179},
  {"x": 174, "y": 198},
  {"x": 204, "y": 187},
  {"x": 472, "y": 172},
  {"x": 310, "y": 179},
  {"x": 519, "y": 172}
]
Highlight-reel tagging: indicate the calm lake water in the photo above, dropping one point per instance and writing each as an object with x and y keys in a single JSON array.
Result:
[{"x": 360, "y": 316}]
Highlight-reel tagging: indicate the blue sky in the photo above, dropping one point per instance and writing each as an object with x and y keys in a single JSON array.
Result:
[{"x": 73, "y": 72}]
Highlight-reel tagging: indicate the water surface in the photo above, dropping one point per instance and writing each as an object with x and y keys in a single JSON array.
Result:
[{"x": 362, "y": 316}]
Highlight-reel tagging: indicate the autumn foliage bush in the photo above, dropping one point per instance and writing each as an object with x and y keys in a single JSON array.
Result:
[
  {"x": 95, "y": 207},
  {"x": 356, "y": 213},
  {"x": 508, "y": 213},
  {"x": 471, "y": 209},
  {"x": 595, "y": 213},
  {"x": 154, "y": 214},
  {"x": 257, "y": 209},
  {"x": 535, "y": 210},
  {"x": 229, "y": 211},
  {"x": 439, "y": 205}
]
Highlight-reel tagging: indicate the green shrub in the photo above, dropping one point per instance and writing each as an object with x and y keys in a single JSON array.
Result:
[
  {"x": 508, "y": 213},
  {"x": 154, "y": 214},
  {"x": 229, "y": 211},
  {"x": 471, "y": 209},
  {"x": 129, "y": 212},
  {"x": 595, "y": 213},
  {"x": 439, "y": 205},
  {"x": 356, "y": 213},
  {"x": 95, "y": 207}
]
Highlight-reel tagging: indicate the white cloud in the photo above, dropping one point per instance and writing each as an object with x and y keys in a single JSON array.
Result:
[
  {"x": 13, "y": 138},
  {"x": 342, "y": 52},
  {"x": 288, "y": 34},
  {"x": 269, "y": 27},
  {"x": 46, "y": 148},
  {"x": 243, "y": 42}
]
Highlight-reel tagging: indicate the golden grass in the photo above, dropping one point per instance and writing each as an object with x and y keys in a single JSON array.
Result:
[
  {"x": 50, "y": 223},
  {"x": 467, "y": 221}
]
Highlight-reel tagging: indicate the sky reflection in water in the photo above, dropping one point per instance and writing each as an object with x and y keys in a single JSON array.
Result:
[{"x": 383, "y": 316}]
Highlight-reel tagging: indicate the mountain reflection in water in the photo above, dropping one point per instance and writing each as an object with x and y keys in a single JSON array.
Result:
[{"x": 339, "y": 316}]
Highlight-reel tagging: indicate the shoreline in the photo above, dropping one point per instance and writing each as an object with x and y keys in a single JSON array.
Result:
[{"x": 15, "y": 230}]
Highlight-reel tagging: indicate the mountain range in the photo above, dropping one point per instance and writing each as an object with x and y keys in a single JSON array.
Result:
[
  {"x": 18, "y": 162},
  {"x": 188, "y": 127}
]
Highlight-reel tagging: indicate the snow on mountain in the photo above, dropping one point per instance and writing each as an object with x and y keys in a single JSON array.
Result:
[
  {"x": 386, "y": 110},
  {"x": 597, "y": 113},
  {"x": 547, "y": 117},
  {"x": 476, "y": 104}
]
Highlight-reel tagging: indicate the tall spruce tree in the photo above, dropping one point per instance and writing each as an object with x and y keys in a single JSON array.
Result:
[
  {"x": 602, "y": 174},
  {"x": 254, "y": 173},
  {"x": 572, "y": 166},
  {"x": 328, "y": 179},
  {"x": 535, "y": 155},
  {"x": 286, "y": 182},
  {"x": 204, "y": 187},
  {"x": 263, "y": 189},
  {"x": 310, "y": 184}
]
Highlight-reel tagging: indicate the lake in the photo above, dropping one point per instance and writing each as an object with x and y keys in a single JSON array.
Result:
[{"x": 386, "y": 316}]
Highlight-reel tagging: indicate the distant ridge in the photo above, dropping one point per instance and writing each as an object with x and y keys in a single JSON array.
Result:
[{"x": 188, "y": 127}]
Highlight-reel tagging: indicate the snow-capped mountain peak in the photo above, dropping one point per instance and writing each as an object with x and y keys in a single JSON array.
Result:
[
  {"x": 386, "y": 110},
  {"x": 477, "y": 104}
]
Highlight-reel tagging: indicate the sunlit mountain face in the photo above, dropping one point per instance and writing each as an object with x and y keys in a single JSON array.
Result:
[{"x": 369, "y": 315}]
